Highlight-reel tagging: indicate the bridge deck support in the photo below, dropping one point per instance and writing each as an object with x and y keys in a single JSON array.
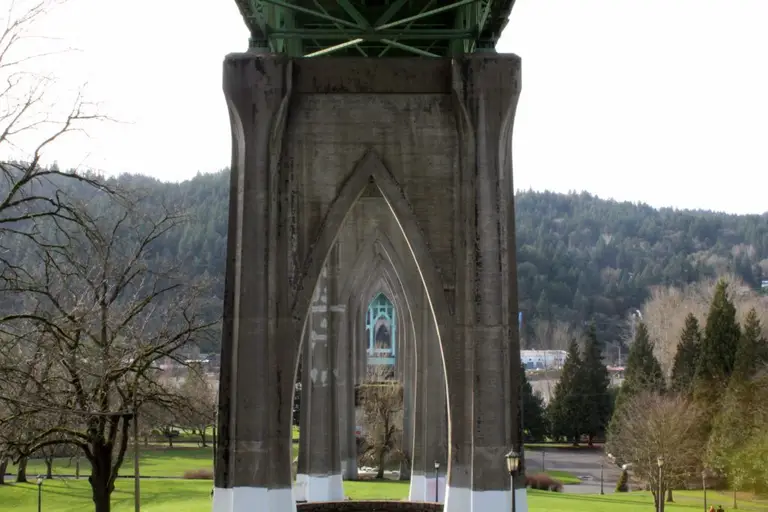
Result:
[{"x": 309, "y": 135}]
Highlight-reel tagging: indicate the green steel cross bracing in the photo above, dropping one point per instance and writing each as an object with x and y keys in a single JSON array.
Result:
[{"x": 374, "y": 28}]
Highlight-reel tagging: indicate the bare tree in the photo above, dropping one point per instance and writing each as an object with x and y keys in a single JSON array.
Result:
[
  {"x": 32, "y": 121},
  {"x": 102, "y": 311},
  {"x": 665, "y": 311},
  {"x": 381, "y": 400},
  {"x": 652, "y": 427},
  {"x": 199, "y": 408},
  {"x": 553, "y": 335}
]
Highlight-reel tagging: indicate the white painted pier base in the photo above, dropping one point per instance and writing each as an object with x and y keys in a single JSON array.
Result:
[
  {"x": 318, "y": 488},
  {"x": 464, "y": 500},
  {"x": 418, "y": 487},
  {"x": 253, "y": 499},
  {"x": 430, "y": 489}
]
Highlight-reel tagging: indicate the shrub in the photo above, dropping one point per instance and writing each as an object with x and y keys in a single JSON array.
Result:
[
  {"x": 198, "y": 474},
  {"x": 622, "y": 484},
  {"x": 543, "y": 482}
]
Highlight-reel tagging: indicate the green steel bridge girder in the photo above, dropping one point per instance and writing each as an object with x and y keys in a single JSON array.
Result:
[{"x": 374, "y": 28}]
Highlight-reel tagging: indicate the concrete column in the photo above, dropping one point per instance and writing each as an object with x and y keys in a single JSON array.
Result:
[
  {"x": 435, "y": 418},
  {"x": 253, "y": 465},
  {"x": 346, "y": 390},
  {"x": 406, "y": 357},
  {"x": 421, "y": 471},
  {"x": 305, "y": 420},
  {"x": 489, "y": 93},
  {"x": 322, "y": 480}
]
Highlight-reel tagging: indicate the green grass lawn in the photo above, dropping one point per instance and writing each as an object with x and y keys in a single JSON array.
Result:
[
  {"x": 156, "y": 460},
  {"x": 564, "y": 477},
  {"x": 194, "y": 496}
]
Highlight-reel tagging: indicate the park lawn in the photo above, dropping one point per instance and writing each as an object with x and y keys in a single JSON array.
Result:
[
  {"x": 155, "y": 460},
  {"x": 75, "y": 496},
  {"x": 685, "y": 501},
  {"x": 194, "y": 496},
  {"x": 564, "y": 477}
]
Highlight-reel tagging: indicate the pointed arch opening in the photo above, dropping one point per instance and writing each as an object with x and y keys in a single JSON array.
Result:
[{"x": 372, "y": 171}]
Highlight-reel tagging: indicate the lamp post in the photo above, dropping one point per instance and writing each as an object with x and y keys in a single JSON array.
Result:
[
  {"x": 602, "y": 468},
  {"x": 39, "y": 493},
  {"x": 704, "y": 486},
  {"x": 660, "y": 498},
  {"x": 513, "y": 463},
  {"x": 437, "y": 468},
  {"x": 543, "y": 451}
]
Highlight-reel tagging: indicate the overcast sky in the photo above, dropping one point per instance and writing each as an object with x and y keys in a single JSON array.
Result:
[{"x": 660, "y": 101}]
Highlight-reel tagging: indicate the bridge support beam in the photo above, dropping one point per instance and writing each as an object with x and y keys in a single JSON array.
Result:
[{"x": 309, "y": 136}]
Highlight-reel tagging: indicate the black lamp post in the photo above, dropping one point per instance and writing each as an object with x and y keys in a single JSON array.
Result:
[
  {"x": 660, "y": 462},
  {"x": 39, "y": 493},
  {"x": 513, "y": 463},
  {"x": 704, "y": 486},
  {"x": 437, "y": 468},
  {"x": 602, "y": 468}
]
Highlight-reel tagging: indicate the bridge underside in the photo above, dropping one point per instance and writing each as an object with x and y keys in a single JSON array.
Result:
[{"x": 374, "y": 28}]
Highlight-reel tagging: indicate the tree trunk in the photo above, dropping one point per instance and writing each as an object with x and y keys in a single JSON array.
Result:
[
  {"x": 3, "y": 468},
  {"x": 380, "y": 473},
  {"x": 203, "y": 439},
  {"x": 590, "y": 441},
  {"x": 170, "y": 440},
  {"x": 48, "y": 468},
  {"x": 21, "y": 472},
  {"x": 213, "y": 433},
  {"x": 101, "y": 488},
  {"x": 669, "y": 496}
]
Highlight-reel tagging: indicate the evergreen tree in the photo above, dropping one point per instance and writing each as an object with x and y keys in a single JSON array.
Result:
[
  {"x": 718, "y": 349},
  {"x": 643, "y": 370},
  {"x": 739, "y": 415},
  {"x": 751, "y": 352},
  {"x": 594, "y": 375},
  {"x": 684, "y": 365},
  {"x": 534, "y": 422},
  {"x": 566, "y": 408}
]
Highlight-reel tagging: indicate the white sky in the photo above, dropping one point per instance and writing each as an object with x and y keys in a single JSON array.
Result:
[{"x": 661, "y": 101}]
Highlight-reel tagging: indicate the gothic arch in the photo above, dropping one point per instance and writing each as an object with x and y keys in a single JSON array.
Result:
[{"x": 369, "y": 167}]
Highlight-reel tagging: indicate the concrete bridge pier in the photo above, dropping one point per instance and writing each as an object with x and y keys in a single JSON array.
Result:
[{"x": 309, "y": 136}]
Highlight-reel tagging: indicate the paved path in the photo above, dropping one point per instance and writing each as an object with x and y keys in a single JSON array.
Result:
[{"x": 583, "y": 464}]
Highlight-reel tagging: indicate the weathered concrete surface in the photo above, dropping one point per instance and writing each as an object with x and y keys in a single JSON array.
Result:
[
  {"x": 319, "y": 467},
  {"x": 308, "y": 138}
]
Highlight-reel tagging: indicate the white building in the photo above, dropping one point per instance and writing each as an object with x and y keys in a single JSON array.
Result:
[{"x": 542, "y": 359}]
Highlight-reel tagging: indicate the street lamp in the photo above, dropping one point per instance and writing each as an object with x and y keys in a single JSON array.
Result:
[
  {"x": 437, "y": 468},
  {"x": 660, "y": 462},
  {"x": 39, "y": 493},
  {"x": 704, "y": 486},
  {"x": 602, "y": 469},
  {"x": 513, "y": 463}
]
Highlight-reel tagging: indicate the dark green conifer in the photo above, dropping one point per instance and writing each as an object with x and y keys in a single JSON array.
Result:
[{"x": 684, "y": 365}]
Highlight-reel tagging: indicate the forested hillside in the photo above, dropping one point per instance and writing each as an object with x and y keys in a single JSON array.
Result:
[{"x": 580, "y": 258}]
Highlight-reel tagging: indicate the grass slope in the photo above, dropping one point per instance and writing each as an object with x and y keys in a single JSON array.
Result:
[{"x": 194, "y": 496}]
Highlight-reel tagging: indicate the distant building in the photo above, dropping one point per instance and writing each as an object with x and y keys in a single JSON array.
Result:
[{"x": 542, "y": 359}]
